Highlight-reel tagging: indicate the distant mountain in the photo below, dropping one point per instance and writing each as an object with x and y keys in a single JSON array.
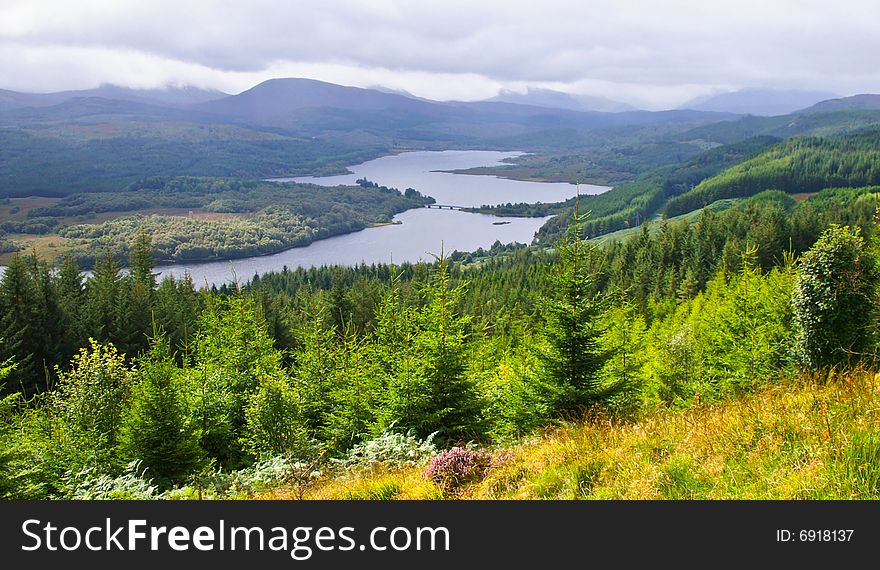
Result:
[
  {"x": 169, "y": 97},
  {"x": 277, "y": 98},
  {"x": 762, "y": 102},
  {"x": 402, "y": 92},
  {"x": 282, "y": 127},
  {"x": 784, "y": 126},
  {"x": 309, "y": 108},
  {"x": 101, "y": 110},
  {"x": 864, "y": 102},
  {"x": 560, "y": 100}
]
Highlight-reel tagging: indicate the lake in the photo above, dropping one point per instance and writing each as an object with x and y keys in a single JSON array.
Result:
[
  {"x": 423, "y": 170},
  {"x": 420, "y": 232}
]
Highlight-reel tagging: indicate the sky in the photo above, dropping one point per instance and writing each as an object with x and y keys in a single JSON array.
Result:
[{"x": 652, "y": 54}]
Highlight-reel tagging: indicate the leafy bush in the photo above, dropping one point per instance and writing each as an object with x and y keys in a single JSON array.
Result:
[
  {"x": 87, "y": 484},
  {"x": 390, "y": 449},
  {"x": 833, "y": 298}
]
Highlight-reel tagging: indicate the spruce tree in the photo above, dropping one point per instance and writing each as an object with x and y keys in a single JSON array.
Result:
[
  {"x": 137, "y": 298},
  {"x": 102, "y": 300},
  {"x": 574, "y": 356},
  {"x": 314, "y": 363},
  {"x": 19, "y": 326},
  {"x": 177, "y": 312},
  {"x": 233, "y": 352},
  {"x": 436, "y": 394},
  {"x": 48, "y": 316},
  {"x": 275, "y": 423},
  {"x": 158, "y": 429},
  {"x": 71, "y": 301},
  {"x": 351, "y": 412},
  {"x": 140, "y": 261}
]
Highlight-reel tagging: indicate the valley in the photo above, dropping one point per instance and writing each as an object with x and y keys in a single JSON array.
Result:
[{"x": 255, "y": 281}]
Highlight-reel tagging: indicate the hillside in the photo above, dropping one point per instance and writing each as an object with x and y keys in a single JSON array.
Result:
[
  {"x": 762, "y": 102},
  {"x": 798, "y": 439},
  {"x": 699, "y": 353},
  {"x": 172, "y": 96},
  {"x": 866, "y": 101},
  {"x": 798, "y": 165},
  {"x": 628, "y": 205},
  {"x": 839, "y": 122}
]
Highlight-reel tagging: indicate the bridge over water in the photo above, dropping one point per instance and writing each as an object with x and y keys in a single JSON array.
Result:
[{"x": 445, "y": 207}]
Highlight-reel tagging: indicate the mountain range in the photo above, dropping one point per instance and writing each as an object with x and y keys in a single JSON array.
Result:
[
  {"x": 761, "y": 102},
  {"x": 173, "y": 96},
  {"x": 561, "y": 100},
  {"x": 53, "y": 144},
  {"x": 276, "y": 97}
]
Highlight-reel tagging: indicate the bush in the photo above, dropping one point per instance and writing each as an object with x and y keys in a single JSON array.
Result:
[
  {"x": 833, "y": 299},
  {"x": 391, "y": 449},
  {"x": 458, "y": 467},
  {"x": 132, "y": 485}
]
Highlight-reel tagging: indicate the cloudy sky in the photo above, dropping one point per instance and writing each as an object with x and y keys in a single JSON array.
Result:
[{"x": 655, "y": 54}]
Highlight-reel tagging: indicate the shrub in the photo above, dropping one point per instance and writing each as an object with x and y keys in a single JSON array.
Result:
[
  {"x": 457, "y": 467},
  {"x": 133, "y": 485},
  {"x": 391, "y": 449},
  {"x": 833, "y": 299}
]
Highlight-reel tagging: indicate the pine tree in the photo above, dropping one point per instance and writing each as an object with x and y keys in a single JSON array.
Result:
[
  {"x": 574, "y": 356},
  {"x": 137, "y": 298},
  {"x": 351, "y": 410},
  {"x": 177, "y": 313},
  {"x": 48, "y": 315},
  {"x": 71, "y": 301},
  {"x": 275, "y": 423},
  {"x": 102, "y": 300},
  {"x": 19, "y": 327},
  {"x": 436, "y": 394},
  {"x": 141, "y": 263},
  {"x": 340, "y": 305},
  {"x": 233, "y": 352},
  {"x": 314, "y": 364},
  {"x": 157, "y": 429}
]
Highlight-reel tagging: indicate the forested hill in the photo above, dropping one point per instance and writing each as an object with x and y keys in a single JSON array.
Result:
[
  {"x": 628, "y": 205},
  {"x": 198, "y": 218},
  {"x": 800, "y": 165}
]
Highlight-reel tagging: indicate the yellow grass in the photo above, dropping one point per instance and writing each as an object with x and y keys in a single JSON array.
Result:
[
  {"x": 805, "y": 439},
  {"x": 48, "y": 247}
]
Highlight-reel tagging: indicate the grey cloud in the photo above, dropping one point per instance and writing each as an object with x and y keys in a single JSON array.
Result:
[{"x": 787, "y": 42}]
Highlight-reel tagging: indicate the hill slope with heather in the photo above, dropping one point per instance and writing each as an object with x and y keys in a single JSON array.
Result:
[{"x": 800, "y": 440}]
